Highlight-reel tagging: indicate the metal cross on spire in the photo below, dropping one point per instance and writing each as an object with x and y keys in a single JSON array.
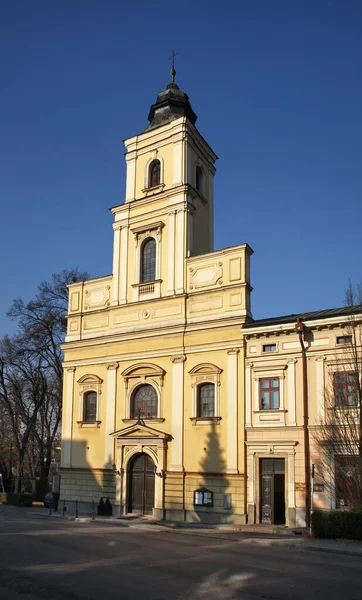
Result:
[{"x": 173, "y": 70}]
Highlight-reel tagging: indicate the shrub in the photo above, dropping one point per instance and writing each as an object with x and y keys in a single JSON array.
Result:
[
  {"x": 337, "y": 524},
  {"x": 16, "y": 499}
]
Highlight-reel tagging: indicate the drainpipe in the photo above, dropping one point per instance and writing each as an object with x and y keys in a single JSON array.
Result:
[{"x": 300, "y": 329}]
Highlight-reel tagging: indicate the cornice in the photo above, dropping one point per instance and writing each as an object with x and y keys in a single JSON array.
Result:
[{"x": 327, "y": 324}]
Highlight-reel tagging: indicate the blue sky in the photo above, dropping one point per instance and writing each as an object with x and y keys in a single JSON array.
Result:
[{"x": 277, "y": 88}]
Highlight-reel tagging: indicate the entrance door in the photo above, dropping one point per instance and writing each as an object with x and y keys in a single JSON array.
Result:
[
  {"x": 141, "y": 484},
  {"x": 272, "y": 491}
]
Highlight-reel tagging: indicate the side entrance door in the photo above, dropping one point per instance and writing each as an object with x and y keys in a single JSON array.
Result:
[
  {"x": 272, "y": 491},
  {"x": 141, "y": 485}
]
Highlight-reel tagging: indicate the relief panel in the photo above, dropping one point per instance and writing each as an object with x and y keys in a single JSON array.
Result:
[
  {"x": 205, "y": 305},
  {"x": 95, "y": 323},
  {"x": 235, "y": 269},
  {"x": 205, "y": 276},
  {"x": 74, "y": 301},
  {"x": 97, "y": 297}
]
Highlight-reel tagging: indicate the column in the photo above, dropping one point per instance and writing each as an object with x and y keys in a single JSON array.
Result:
[
  {"x": 68, "y": 418},
  {"x": 180, "y": 253},
  {"x": 116, "y": 254},
  {"x": 110, "y": 414},
  {"x": 177, "y": 412},
  {"x": 123, "y": 266},
  {"x": 291, "y": 392},
  {"x": 232, "y": 403}
]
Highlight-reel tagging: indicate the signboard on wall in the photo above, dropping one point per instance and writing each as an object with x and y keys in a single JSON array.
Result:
[{"x": 203, "y": 497}]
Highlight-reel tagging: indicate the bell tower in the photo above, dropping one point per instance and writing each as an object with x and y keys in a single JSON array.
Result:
[{"x": 169, "y": 199}]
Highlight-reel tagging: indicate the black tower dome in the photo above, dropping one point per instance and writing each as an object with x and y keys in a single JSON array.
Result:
[{"x": 172, "y": 103}]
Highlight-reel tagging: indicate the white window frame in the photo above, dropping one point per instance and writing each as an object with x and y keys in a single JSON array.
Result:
[
  {"x": 149, "y": 289},
  {"x": 205, "y": 373},
  {"x": 271, "y": 417},
  {"x": 147, "y": 181},
  {"x": 140, "y": 374},
  {"x": 89, "y": 383}
]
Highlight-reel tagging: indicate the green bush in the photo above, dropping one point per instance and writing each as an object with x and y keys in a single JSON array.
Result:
[
  {"x": 16, "y": 499},
  {"x": 334, "y": 524}
]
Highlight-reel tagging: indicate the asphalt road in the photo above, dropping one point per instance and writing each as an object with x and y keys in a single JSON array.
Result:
[{"x": 47, "y": 558}]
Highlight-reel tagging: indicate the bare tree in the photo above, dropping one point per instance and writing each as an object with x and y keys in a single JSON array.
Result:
[
  {"x": 339, "y": 437},
  {"x": 31, "y": 377}
]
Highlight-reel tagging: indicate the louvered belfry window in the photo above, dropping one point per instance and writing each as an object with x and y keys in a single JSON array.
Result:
[{"x": 155, "y": 173}]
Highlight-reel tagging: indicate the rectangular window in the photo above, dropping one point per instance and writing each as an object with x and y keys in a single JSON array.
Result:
[
  {"x": 270, "y": 348},
  {"x": 344, "y": 339},
  {"x": 345, "y": 389},
  {"x": 346, "y": 480},
  {"x": 206, "y": 400},
  {"x": 269, "y": 393}
]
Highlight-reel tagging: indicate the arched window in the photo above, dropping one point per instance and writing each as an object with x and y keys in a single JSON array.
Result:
[
  {"x": 90, "y": 406},
  {"x": 206, "y": 400},
  {"x": 144, "y": 402},
  {"x": 154, "y": 174},
  {"x": 148, "y": 260},
  {"x": 199, "y": 179}
]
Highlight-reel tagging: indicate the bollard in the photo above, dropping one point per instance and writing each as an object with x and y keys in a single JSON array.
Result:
[
  {"x": 64, "y": 508},
  {"x": 50, "y": 510},
  {"x": 92, "y": 509},
  {"x": 76, "y": 509}
]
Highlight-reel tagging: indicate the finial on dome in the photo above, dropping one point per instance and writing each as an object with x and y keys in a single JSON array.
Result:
[{"x": 173, "y": 70}]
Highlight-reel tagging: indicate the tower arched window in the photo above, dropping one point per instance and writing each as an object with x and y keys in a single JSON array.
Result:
[
  {"x": 154, "y": 178},
  {"x": 148, "y": 260},
  {"x": 144, "y": 402},
  {"x": 199, "y": 179}
]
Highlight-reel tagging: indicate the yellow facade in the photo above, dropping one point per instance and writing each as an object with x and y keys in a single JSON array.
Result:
[
  {"x": 167, "y": 378},
  {"x": 177, "y": 330},
  {"x": 275, "y": 434}
]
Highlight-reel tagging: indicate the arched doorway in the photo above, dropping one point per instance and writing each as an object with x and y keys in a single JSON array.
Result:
[{"x": 141, "y": 490}]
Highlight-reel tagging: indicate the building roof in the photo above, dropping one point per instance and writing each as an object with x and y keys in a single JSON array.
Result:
[
  {"x": 316, "y": 315},
  {"x": 172, "y": 103}
]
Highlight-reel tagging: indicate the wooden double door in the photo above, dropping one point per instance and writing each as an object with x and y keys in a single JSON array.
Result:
[
  {"x": 272, "y": 491},
  {"x": 141, "y": 491}
]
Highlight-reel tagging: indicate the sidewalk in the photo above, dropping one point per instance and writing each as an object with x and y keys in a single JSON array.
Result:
[{"x": 260, "y": 535}]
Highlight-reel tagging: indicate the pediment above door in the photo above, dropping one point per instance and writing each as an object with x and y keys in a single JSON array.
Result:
[{"x": 141, "y": 431}]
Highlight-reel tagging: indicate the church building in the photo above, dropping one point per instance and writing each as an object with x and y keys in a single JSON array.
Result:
[
  {"x": 153, "y": 404},
  {"x": 177, "y": 403}
]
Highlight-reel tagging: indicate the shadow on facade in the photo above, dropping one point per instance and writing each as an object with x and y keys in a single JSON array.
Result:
[
  {"x": 215, "y": 482},
  {"x": 81, "y": 488}
]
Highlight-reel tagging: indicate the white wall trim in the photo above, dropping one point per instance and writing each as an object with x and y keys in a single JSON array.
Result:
[
  {"x": 68, "y": 420},
  {"x": 110, "y": 414},
  {"x": 232, "y": 411},
  {"x": 177, "y": 413},
  {"x": 291, "y": 392}
]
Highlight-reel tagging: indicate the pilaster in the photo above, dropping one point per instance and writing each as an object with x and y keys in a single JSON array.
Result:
[
  {"x": 232, "y": 404},
  {"x": 291, "y": 392},
  {"x": 177, "y": 412},
  {"x": 110, "y": 414},
  {"x": 68, "y": 418}
]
